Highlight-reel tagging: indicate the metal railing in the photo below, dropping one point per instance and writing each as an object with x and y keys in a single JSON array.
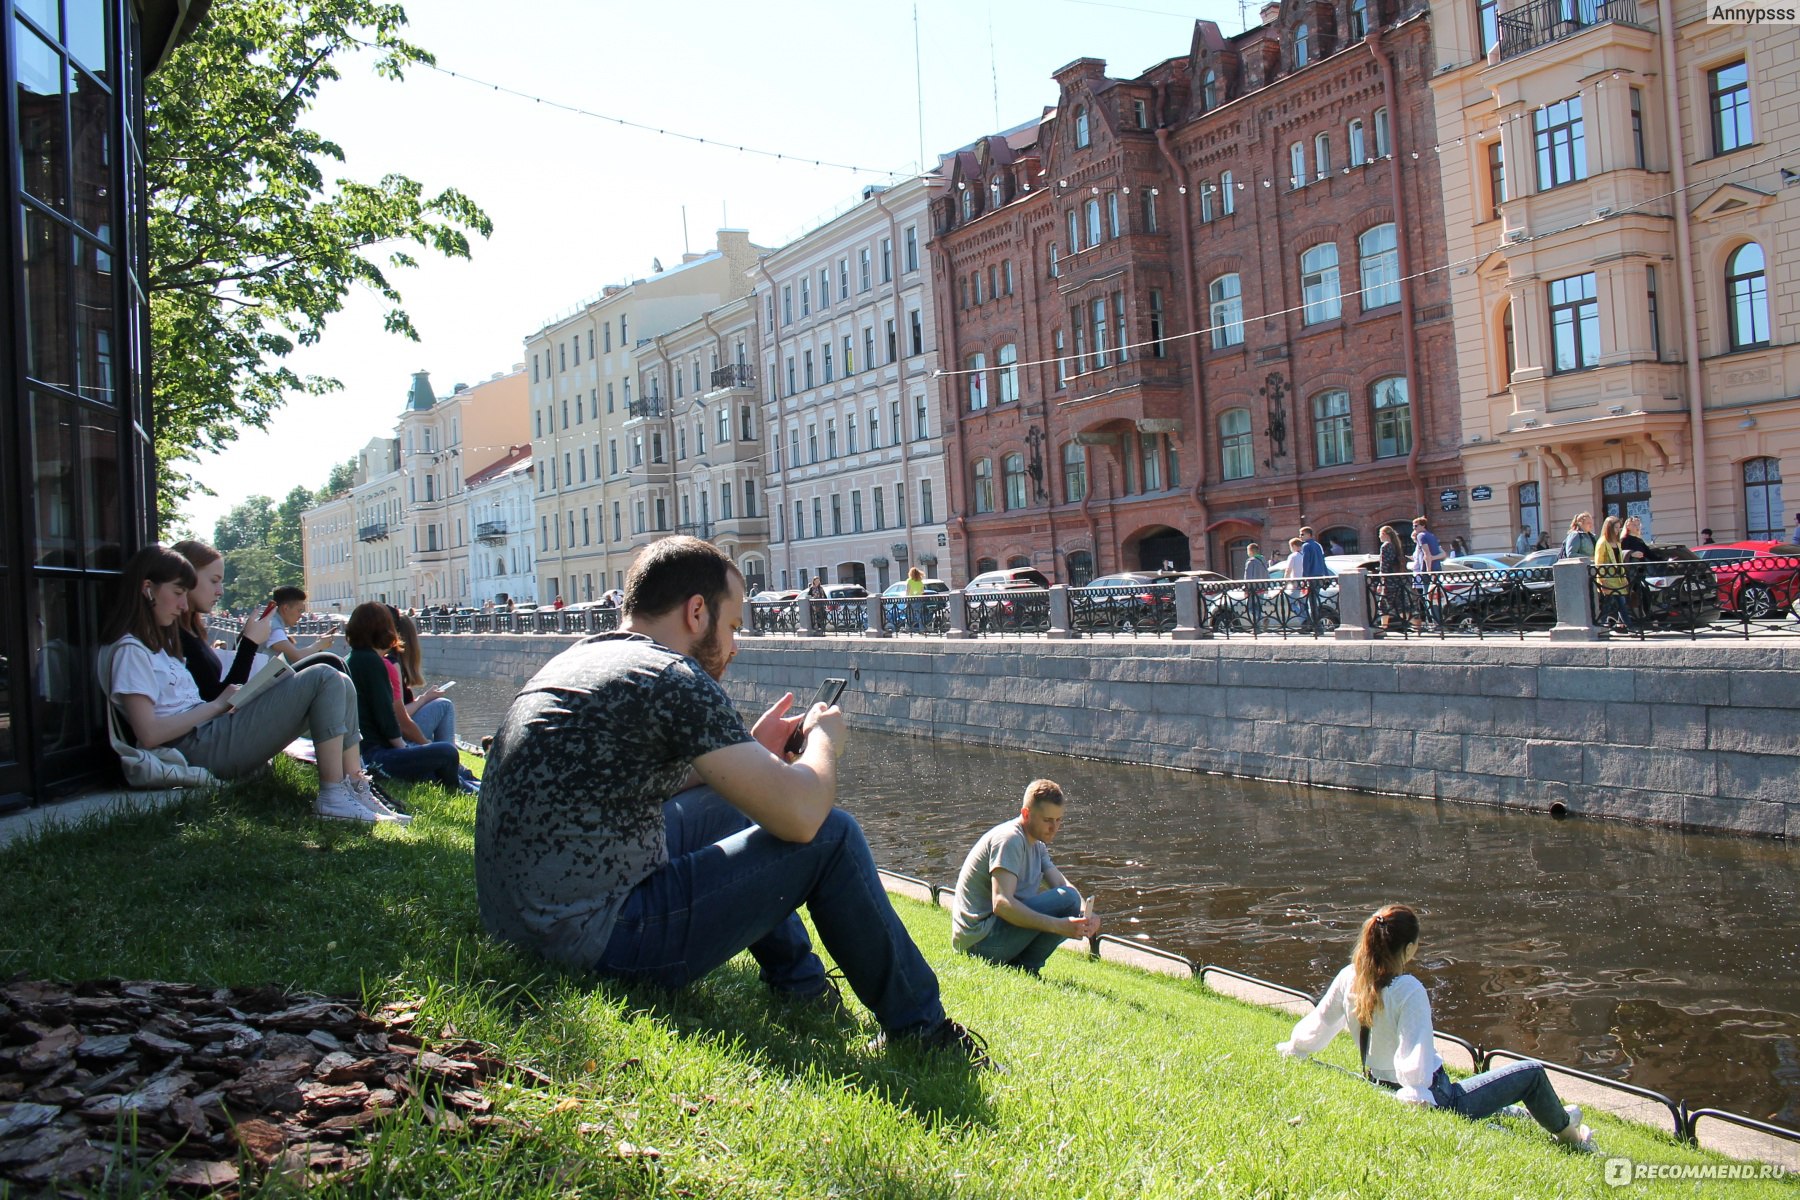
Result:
[
  {"x": 490, "y": 531},
  {"x": 734, "y": 375},
  {"x": 1691, "y": 597},
  {"x": 1441, "y": 603},
  {"x": 1021, "y": 611},
  {"x": 1142, "y": 608},
  {"x": 1541, "y": 22},
  {"x": 1270, "y": 607}
]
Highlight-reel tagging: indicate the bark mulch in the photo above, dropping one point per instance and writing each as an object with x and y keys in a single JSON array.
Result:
[{"x": 197, "y": 1089}]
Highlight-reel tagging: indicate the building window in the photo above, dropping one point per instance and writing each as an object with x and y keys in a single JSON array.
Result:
[
  {"x": 856, "y": 520},
  {"x": 1728, "y": 90},
  {"x": 1008, "y": 362},
  {"x": 1321, "y": 156},
  {"x": 1101, "y": 357},
  {"x": 1206, "y": 200},
  {"x": 1147, "y": 209},
  {"x": 1331, "y": 427},
  {"x": 1227, "y": 311},
  {"x": 1655, "y": 317},
  {"x": 1237, "y": 455},
  {"x": 863, "y": 281},
  {"x": 911, "y": 243},
  {"x": 837, "y": 514},
  {"x": 1150, "y": 453},
  {"x": 1637, "y": 127},
  {"x": 1380, "y": 259},
  {"x": 1319, "y": 284},
  {"x": 1561, "y": 143},
  {"x": 805, "y": 296},
  {"x": 1509, "y": 345},
  {"x": 1055, "y": 267},
  {"x": 1140, "y": 114},
  {"x": 1574, "y": 324},
  {"x": 1093, "y": 222},
  {"x": 1074, "y": 459},
  {"x": 925, "y": 510},
  {"x": 982, "y": 494},
  {"x": 916, "y": 328},
  {"x": 787, "y": 305},
  {"x": 1381, "y": 133},
  {"x": 1487, "y": 24},
  {"x": 1627, "y": 494},
  {"x": 887, "y": 254},
  {"x": 1209, "y": 91},
  {"x": 977, "y": 366},
  {"x": 1359, "y": 19},
  {"x": 1062, "y": 363},
  {"x": 1531, "y": 511},
  {"x": 1012, "y": 471},
  {"x": 1112, "y": 214},
  {"x": 1227, "y": 194},
  {"x": 1006, "y": 280},
  {"x": 812, "y": 443},
  {"x": 921, "y": 418},
  {"x": 1082, "y": 140},
  {"x": 1496, "y": 165},
  {"x": 1393, "y": 418},
  {"x": 1358, "y": 143},
  {"x": 1297, "y": 165},
  {"x": 1302, "y": 46},
  {"x": 1762, "y": 500},
  {"x": 1747, "y": 297},
  {"x": 1159, "y": 347}
]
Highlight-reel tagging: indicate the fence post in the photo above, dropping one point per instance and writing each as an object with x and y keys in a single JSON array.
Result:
[
  {"x": 1353, "y": 607},
  {"x": 1188, "y": 627},
  {"x": 959, "y": 616},
  {"x": 1060, "y": 622},
  {"x": 809, "y": 615},
  {"x": 877, "y": 626},
  {"x": 1574, "y": 589}
]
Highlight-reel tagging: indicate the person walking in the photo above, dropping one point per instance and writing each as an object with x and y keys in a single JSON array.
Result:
[
  {"x": 1256, "y": 572},
  {"x": 1524, "y": 542},
  {"x": 1579, "y": 541},
  {"x": 915, "y": 600},
  {"x": 1428, "y": 552},
  {"x": 1610, "y": 577},
  {"x": 1393, "y": 588}
]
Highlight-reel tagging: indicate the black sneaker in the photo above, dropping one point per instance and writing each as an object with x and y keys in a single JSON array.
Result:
[
  {"x": 828, "y": 1000},
  {"x": 950, "y": 1036}
]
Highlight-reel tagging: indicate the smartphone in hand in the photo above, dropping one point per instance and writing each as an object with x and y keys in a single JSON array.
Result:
[
  {"x": 828, "y": 693},
  {"x": 446, "y": 685},
  {"x": 268, "y": 608}
]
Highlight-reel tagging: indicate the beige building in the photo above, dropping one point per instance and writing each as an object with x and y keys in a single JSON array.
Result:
[
  {"x": 699, "y": 413},
  {"x": 379, "y": 497},
  {"x": 854, "y": 444},
  {"x": 1619, "y": 229},
  {"x": 583, "y": 386},
  {"x": 329, "y": 546}
]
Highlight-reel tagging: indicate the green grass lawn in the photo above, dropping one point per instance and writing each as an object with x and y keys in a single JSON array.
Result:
[{"x": 1119, "y": 1083}]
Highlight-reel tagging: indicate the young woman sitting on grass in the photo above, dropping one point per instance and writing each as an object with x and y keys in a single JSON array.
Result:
[
  {"x": 196, "y": 640},
  {"x": 1392, "y": 1013},
  {"x": 371, "y": 635},
  {"x": 152, "y": 688},
  {"x": 431, "y": 713}
]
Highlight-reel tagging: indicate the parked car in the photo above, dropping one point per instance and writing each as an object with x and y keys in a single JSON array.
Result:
[
  {"x": 1675, "y": 589},
  {"x": 930, "y": 612},
  {"x": 991, "y": 607},
  {"x": 843, "y": 608},
  {"x": 1124, "y": 602},
  {"x": 1757, "y": 579}
]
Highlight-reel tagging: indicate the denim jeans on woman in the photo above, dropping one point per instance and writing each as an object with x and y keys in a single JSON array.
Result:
[
  {"x": 434, "y": 762},
  {"x": 731, "y": 885},
  {"x": 1484, "y": 1095},
  {"x": 436, "y": 719}
]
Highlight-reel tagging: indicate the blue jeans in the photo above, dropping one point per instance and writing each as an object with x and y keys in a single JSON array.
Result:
[
  {"x": 434, "y": 762},
  {"x": 437, "y": 720},
  {"x": 1028, "y": 949},
  {"x": 1484, "y": 1095},
  {"x": 730, "y": 885}
]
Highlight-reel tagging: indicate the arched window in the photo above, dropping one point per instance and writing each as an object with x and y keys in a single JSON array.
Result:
[
  {"x": 1379, "y": 254},
  {"x": 977, "y": 381},
  {"x": 1082, "y": 140},
  {"x": 1206, "y": 199},
  {"x": 1018, "y": 560},
  {"x": 1093, "y": 221},
  {"x": 984, "y": 565},
  {"x": 1007, "y": 362},
  {"x": 1358, "y": 148},
  {"x": 1297, "y": 165},
  {"x": 1509, "y": 345},
  {"x": 968, "y": 204},
  {"x": 1393, "y": 417},
  {"x": 1209, "y": 91},
  {"x": 1331, "y": 427},
  {"x": 1762, "y": 500},
  {"x": 1012, "y": 474},
  {"x": 1627, "y": 494},
  {"x": 1341, "y": 539},
  {"x": 1074, "y": 460},
  {"x": 1055, "y": 266},
  {"x": 1381, "y": 136},
  {"x": 1302, "y": 47},
  {"x": 1237, "y": 456},
  {"x": 1747, "y": 297},
  {"x": 1319, "y": 284},
  {"x": 995, "y": 193},
  {"x": 1227, "y": 194},
  {"x": 1227, "y": 310},
  {"x": 981, "y": 495},
  {"x": 1321, "y": 155},
  {"x": 1081, "y": 568},
  {"x": 1359, "y": 19}
]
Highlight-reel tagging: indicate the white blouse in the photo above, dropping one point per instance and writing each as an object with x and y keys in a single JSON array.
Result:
[
  {"x": 138, "y": 670},
  {"x": 1400, "y": 1047}
]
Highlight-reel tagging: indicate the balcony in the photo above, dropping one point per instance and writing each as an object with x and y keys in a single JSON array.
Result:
[
  {"x": 372, "y": 533},
  {"x": 700, "y": 529},
  {"x": 490, "y": 531},
  {"x": 639, "y": 410},
  {"x": 1541, "y": 22},
  {"x": 736, "y": 375}
]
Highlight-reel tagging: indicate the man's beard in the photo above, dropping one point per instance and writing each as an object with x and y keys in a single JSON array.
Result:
[{"x": 708, "y": 651}]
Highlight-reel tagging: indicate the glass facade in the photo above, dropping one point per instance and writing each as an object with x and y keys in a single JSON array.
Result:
[{"x": 75, "y": 461}]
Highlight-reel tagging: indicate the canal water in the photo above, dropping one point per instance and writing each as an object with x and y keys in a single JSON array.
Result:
[{"x": 1664, "y": 959}]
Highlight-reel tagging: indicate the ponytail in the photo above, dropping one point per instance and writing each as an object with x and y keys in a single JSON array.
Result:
[{"x": 1385, "y": 937}]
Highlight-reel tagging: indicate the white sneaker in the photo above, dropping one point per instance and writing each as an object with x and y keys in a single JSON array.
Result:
[
  {"x": 1575, "y": 1133},
  {"x": 363, "y": 789},
  {"x": 337, "y": 802}
]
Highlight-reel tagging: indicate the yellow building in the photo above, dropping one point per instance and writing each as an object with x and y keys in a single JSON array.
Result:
[
  {"x": 1618, "y": 222},
  {"x": 328, "y": 542}
]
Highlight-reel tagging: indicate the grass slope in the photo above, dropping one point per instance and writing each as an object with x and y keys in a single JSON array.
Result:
[{"x": 1120, "y": 1084}]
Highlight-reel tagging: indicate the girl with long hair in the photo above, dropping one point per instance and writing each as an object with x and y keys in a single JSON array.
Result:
[
  {"x": 372, "y": 635},
  {"x": 1609, "y": 575},
  {"x": 432, "y": 714},
  {"x": 149, "y": 683},
  {"x": 196, "y": 639},
  {"x": 1392, "y": 1013}
]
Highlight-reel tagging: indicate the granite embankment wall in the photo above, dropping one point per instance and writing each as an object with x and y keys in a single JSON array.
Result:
[{"x": 1700, "y": 735}]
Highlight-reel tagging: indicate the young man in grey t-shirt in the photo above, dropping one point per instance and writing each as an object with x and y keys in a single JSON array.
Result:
[{"x": 1012, "y": 905}]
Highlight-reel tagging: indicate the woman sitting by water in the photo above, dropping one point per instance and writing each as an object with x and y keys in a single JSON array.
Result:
[
  {"x": 371, "y": 635},
  {"x": 430, "y": 713},
  {"x": 1392, "y": 1013},
  {"x": 151, "y": 686},
  {"x": 196, "y": 639}
]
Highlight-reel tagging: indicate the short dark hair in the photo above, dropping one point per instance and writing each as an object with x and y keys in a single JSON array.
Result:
[
  {"x": 155, "y": 565},
  {"x": 670, "y": 570},
  {"x": 371, "y": 627},
  {"x": 287, "y": 594}
]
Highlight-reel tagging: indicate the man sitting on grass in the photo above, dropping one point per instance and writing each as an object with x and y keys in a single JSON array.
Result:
[
  {"x": 1012, "y": 905},
  {"x": 583, "y": 857}
]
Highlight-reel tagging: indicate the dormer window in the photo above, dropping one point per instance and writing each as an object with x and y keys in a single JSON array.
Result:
[
  {"x": 1302, "y": 46},
  {"x": 1140, "y": 114},
  {"x": 1082, "y": 140},
  {"x": 968, "y": 204},
  {"x": 1359, "y": 19},
  {"x": 1209, "y": 91},
  {"x": 996, "y": 193}
]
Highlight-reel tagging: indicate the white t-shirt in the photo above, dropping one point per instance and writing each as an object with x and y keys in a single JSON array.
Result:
[
  {"x": 278, "y": 632},
  {"x": 138, "y": 670}
]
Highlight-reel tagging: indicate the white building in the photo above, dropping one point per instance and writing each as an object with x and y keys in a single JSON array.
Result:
[
  {"x": 499, "y": 506},
  {"x": 379, "y": 496},
  {"x": 854, "y": 451}
]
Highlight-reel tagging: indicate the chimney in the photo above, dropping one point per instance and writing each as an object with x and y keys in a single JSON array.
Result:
[{"x": 1270, "y": 13}]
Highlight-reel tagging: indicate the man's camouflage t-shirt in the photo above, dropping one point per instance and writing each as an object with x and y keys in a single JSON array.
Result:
[{"x": 570, "y": 817}]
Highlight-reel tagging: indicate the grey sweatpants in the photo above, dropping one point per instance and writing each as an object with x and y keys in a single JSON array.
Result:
[{"x": 317, "y": 700}]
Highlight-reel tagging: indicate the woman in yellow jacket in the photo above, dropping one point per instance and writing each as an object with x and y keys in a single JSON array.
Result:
[{"x": 1610, "y": 577}]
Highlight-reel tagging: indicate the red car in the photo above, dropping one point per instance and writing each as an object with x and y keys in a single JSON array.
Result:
[{"x": 1757, "y": 580}]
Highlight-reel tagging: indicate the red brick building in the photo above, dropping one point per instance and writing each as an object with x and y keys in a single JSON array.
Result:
[{"x": 1183, "y": 312}]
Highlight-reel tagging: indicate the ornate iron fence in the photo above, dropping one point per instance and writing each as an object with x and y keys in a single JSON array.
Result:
[
  {"x": 1476, "y": 603},
  {"x": 1270, "y": 607},
  {"x": 1138, "y": 609},
  {"x": 1021, "y": 611}
]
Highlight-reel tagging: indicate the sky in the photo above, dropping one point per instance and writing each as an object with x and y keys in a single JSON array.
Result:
[{"x": 578, "y": 202}]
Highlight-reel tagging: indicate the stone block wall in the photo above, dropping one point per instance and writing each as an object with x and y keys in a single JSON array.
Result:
[{"x": 1700, "y": 735}]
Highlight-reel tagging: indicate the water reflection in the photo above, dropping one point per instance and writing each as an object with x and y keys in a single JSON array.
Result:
[{"x": 1662, "y": 958}]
